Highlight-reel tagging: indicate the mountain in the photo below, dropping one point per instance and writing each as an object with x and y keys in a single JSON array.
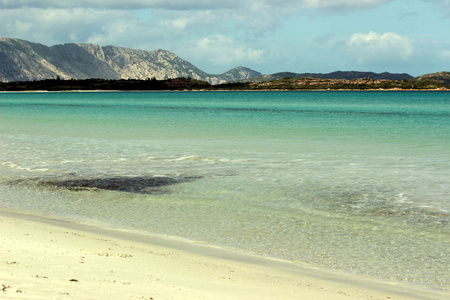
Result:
[
  {"x": 334, "y": 75},
  {"x": 442, "y": 77},
  {"x": 21, "y": 60},
  {"x": 26, "y": 61}
]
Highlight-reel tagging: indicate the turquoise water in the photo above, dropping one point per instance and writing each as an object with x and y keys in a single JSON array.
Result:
[{"x": 354, "y": 181}]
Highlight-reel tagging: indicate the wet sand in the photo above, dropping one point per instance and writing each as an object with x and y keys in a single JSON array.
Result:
[{"x": 43, "y": 258}]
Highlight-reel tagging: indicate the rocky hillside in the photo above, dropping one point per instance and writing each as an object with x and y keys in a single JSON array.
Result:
[
  {"x": 348, "y": 75},
  {"x": 25, "y": 61},
  {"x": 442, "y": 77}
]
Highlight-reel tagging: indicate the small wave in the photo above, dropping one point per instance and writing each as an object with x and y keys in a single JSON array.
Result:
[
  {"x": 190, "y": 157},
  {"x": 200, "y": 159},
  {"x": 29, "y": 169}
]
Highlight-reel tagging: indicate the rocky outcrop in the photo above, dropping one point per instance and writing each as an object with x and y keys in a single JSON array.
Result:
[
  {"x": 442, "y": 77},
  {"x": 348, "y": 75},
  {"x": 25, "y": 61}
]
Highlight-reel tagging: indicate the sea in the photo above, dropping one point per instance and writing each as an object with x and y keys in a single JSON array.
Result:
[{"x": 355, "y": 181}]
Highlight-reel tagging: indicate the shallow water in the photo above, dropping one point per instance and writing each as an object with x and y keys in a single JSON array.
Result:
[{"x": 355, "y": 181}]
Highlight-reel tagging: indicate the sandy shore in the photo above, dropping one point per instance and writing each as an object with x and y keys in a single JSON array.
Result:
[{"x": 44, "y": 258}]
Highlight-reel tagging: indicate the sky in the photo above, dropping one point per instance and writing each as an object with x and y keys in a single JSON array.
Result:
[{"x": 269, "y": 36}]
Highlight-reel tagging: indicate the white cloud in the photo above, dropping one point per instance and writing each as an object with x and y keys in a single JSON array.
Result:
[
  {"x": 191, "y": 35},
  {"x": 222, "y": 51},
  {"x": 297, "y": 5},
  {"x": 193, "y": 4},
  {"x": 368, "y": 51},
  {"x": 121, "y": 4},
  {"x": 222, "y": 34},
  {"x": 193, "y": 17},
  {"x": 376, "y": 48},
  {"x": 381, "y": 52},
  {"x": 55, "y": 26},
  {"x": 344, "y": 4}
]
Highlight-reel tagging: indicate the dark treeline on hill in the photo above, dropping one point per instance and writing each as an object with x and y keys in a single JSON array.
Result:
[
  {"x": 104, "y": 84},
  {"x": 287, "y": 83}
]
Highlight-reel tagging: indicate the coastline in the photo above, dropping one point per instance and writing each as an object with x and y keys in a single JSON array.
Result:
[
  {"x": 189, "y": 84},
  {"x": 231, "y": 90},
  {"x": 52, "y": 258}
]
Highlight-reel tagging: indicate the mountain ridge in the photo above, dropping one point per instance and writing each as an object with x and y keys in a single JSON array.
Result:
[
  {"x": 26, "y": 61},
  {"x": 22, "y": 60}
]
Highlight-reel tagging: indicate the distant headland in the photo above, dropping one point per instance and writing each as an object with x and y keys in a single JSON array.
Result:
[
  {"x": 28, "y": 66},
  {"x": 189, "y": 84}
]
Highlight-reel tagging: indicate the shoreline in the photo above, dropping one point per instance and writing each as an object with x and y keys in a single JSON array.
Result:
[
  {"x": 47, "y": 257},
  {"x": 238, "y": 90}
]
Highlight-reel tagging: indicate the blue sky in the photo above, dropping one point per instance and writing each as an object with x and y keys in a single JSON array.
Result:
[{"x": 411, "y": 36}]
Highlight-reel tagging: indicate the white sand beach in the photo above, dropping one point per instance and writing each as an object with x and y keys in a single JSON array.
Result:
[{"x": 43, "y": 258}]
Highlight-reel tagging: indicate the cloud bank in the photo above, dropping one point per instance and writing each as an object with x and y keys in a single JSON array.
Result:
[
  {"x": 192, "y": 4},
  {"x": 378, "y": 48},
  {"x": 218, "y": 35}
]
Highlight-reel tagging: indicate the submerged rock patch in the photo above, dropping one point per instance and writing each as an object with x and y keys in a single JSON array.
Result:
[{"x": 140, "y": 185}]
